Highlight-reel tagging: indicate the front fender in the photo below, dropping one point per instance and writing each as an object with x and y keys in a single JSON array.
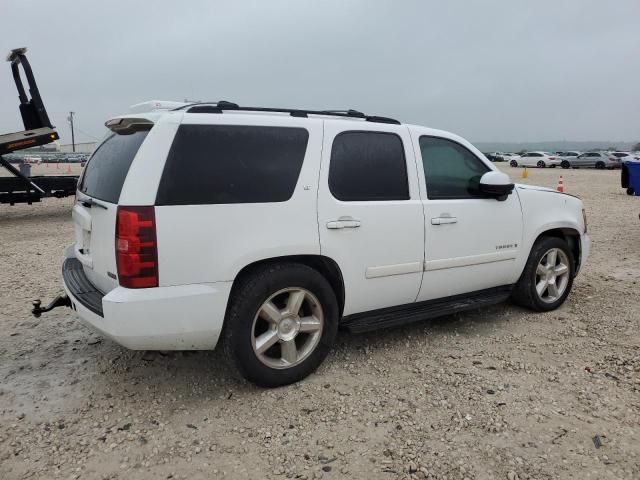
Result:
[{"x": 545, "y": 210}]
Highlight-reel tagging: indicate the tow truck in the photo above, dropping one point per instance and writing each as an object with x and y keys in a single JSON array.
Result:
[{"x": 38, "y": 130}]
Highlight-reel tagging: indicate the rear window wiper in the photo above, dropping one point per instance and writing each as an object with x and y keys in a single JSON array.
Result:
[{"x": 90, "y": 202}]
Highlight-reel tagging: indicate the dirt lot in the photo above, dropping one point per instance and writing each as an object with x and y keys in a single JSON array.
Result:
[{"x": 499, "y": 393}]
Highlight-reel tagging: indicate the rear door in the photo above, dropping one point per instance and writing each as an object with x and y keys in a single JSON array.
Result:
[
  {"x": 94, "y": 214},
  {"x": 370, "y": 214}
]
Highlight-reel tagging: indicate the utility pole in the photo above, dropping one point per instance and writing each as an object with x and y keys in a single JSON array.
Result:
[{"x": 73, "y": 138}]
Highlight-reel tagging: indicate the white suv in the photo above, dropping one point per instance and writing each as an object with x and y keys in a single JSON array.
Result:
[{"x": 268, "y": 229}]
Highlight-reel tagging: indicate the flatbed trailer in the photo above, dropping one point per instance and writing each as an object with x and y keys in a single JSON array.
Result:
[{"x": 20, "y": 188}]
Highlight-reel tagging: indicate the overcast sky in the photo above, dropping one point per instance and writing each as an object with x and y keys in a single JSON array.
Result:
[{"x": 490, "y": 70}]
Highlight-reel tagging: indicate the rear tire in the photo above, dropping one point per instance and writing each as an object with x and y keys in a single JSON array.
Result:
[
  {"x": 513, "y": 163},
  {"x": 600, "y": 165},
  {"x": 541, "y": 164},
  {"x": 281, "y": 323},
  {"x": 565, "y": 164},
  {"x": 547, "y": 277},
  {"x": 630, "y": 191}
]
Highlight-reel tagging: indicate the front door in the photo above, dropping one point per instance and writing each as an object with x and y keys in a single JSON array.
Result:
[
  {"x": 370, "y": 213},
  {"x": 471, "y": 242}
]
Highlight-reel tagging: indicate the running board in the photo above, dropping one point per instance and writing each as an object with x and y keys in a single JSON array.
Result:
[{"x": 415, "y": 312}]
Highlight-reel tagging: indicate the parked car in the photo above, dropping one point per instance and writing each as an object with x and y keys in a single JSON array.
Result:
[
  {"x": 625, "y": 156},
  {"x": 510, "y": 156},
  {"x": 599, "y": 160},
  {"x": 268, "y": 231},
  {"x": 496, "y": 157},
  {"x": 566, "y": 158},
  {"x": 536, "y": 159}
]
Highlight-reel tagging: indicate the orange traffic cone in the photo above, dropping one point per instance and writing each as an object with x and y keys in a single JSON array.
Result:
[{"x": 560, "y": 187}]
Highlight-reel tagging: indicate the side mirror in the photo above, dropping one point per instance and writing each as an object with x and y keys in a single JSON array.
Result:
[{"x": 496, "y": 185}]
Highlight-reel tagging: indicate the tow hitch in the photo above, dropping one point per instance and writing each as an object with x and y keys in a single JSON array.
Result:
[{"x": 60, "y": 301}]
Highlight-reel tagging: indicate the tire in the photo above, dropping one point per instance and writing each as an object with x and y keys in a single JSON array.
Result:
[
  {"x": 600, "y": 165},
  {"x": 565, "y": 164},
  {"x": 245, "y": 322},
  {"x": 541, "y": 164},
  {"x": 526, "y": 293},
  {"x": 513, "y": 163},
  {"x": 630, "y": 191}
]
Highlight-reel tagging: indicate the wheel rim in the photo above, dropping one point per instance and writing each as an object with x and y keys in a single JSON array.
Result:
[
  {"x": 541, "y": 164},
  {"x": 552, "y": 275},
  {"x": 287, "y": 328}
]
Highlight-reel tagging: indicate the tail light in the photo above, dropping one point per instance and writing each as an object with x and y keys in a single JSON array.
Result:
[
  {"x": 614, "y": 159},
  {"x": 552, "y": 158},
  {"x": 136, "y": 247}
]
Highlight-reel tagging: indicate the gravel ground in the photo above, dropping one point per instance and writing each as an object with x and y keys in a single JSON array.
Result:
[{"x": 498, "y": 393}]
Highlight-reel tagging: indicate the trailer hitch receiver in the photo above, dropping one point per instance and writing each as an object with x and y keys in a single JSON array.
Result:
[{"x": 60, "y": 301}]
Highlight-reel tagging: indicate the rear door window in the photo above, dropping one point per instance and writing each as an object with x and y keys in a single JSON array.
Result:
[
  {"x": 368, "y": 166},
  {"x": 107, "y": 168},
  {"x": 220, "y": 164}
]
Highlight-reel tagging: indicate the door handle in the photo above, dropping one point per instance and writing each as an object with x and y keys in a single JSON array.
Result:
[
  {"x": 443, "y": 220},
  {"x": 343, "y": 222}
]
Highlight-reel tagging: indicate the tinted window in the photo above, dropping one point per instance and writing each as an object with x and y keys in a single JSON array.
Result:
[
  {"x": 451, "y": 171},
  {"x": 535, "y": 155},
  {"x": 107, "y": 168},
  {"x": 210, "y": 164},
  {"x": 368, "y": 166}
]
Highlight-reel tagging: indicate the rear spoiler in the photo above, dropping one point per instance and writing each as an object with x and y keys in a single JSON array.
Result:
[{"x": 127, "y": 125}]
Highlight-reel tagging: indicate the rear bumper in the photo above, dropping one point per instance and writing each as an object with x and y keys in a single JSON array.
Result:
[{"x": 183, "y": 317}]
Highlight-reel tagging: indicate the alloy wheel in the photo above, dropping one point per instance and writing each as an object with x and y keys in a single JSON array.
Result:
[
  {"x": 552, "y": 275},
  {"x": 287, "y": 328}
]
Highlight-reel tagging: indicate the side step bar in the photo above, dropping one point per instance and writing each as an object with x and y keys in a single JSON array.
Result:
[{"x": 415, "y": 312}]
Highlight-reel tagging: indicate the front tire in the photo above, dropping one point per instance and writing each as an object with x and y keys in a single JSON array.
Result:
[
  {"x": 281, "y": 323},
  {"x": 547, "y": 278},
  {"x": 565, "y": 164}
]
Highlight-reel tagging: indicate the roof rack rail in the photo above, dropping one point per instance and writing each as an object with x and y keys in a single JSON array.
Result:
[{"x": 222, "y": 105}]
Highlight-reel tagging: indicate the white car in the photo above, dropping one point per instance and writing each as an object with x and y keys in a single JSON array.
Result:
[
  {"x": 536, "y": 159},
  {"x": 625, "y": 156},
  {"x": 508, "y": 157},
  {"x": 267, "y": 229}
]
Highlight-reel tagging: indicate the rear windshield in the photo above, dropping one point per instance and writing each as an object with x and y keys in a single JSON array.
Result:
[
  {"x": 107, "y": 168},
  {"x": 217, "y": 164}
]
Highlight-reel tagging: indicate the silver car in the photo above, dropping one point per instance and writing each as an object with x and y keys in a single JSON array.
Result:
[
  {"x": 599, "y": 160},
  {"x": 567, "y": 158}
]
